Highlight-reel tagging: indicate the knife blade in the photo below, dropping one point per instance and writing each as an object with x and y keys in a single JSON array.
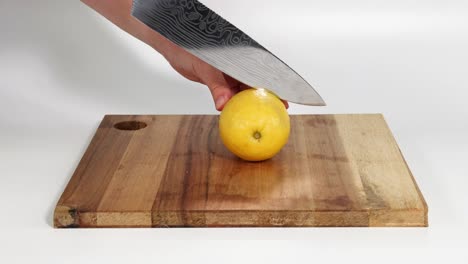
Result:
[{"x": 208, "y": 36}]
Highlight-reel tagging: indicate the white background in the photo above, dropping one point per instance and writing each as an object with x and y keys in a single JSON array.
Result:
[{"x": 62, "y": 67}]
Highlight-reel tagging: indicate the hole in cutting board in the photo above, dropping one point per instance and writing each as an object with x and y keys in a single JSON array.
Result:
[{"x": 130, "y": 125}]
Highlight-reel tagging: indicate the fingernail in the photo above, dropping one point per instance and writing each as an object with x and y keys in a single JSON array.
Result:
[{"x": 220, "y": 102}]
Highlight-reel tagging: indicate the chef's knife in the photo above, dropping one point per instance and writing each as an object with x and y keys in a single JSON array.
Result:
[{"x": 205, "y": 34}]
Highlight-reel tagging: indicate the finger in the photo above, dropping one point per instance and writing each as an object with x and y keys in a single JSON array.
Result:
[
  {"x": 244, "y": 87},
  {"x": 219, "y": 87},
  {"x": 231, "y": 81},
  {"x": 241, "y": 87},
  {"x": 233, "y": 84}
]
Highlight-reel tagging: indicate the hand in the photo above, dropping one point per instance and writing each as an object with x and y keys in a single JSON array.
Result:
[{"x": 222, "y": 86}]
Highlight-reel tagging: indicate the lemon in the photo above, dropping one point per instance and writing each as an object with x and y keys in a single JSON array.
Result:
[{"x": 254, "y": 125}]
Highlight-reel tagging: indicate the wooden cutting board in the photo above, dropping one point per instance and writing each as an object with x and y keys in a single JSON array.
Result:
[{"x": 163, "y": 171}]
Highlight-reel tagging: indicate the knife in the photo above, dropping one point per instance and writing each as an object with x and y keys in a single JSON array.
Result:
[{"x": 208, "y": 36}]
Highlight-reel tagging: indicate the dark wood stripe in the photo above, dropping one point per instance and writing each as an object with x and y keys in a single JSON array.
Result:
[{"x": 185, "y": 182}]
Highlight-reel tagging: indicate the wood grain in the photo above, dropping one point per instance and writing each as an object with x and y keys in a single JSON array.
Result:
[{"x": 336, "y": 170}]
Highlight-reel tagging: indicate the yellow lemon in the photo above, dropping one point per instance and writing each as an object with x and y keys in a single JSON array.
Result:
[{"x": 254, "y": 124}]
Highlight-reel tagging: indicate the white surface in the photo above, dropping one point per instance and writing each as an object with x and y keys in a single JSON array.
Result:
[{"x": 62, "y": 67}]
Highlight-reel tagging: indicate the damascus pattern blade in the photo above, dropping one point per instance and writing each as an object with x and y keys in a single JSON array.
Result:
[{"x": 205, "y": 34}]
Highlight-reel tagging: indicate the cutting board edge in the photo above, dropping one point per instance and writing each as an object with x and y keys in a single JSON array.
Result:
[
  {"x": 70, "y": 217},
  {"x": 418, "y": 190}
]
